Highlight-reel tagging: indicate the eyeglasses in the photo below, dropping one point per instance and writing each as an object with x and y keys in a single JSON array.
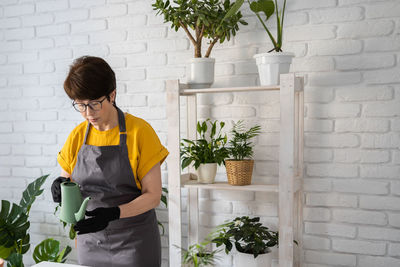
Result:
[{"x": 93, "y": 105}]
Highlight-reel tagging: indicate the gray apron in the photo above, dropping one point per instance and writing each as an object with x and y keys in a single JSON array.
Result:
[{"x": 105, "y": 174}]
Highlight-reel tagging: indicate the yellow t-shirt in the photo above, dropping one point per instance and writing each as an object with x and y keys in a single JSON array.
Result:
[{"x": 144, "y": 148}]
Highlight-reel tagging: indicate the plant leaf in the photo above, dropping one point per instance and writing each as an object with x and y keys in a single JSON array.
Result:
[
  {"x": 265, "y": 6},
  {"x": 31, "y": 192},
  {"x": 5, "y": 252},
  {"x": 72, "y": 233},
  {"x": 62, "y": 256},
  {"x": 13, "y": 224},
  {"x": 48, "y": 250},
  {"x": 15, "y": 260},
  {"x": 234, "y": 9}
]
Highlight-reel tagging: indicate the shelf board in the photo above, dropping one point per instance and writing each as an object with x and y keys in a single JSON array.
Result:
[
  {"x": 188, "y": 180},
  {"x": 184, "y": 89},
  {"x": 226, "y": 186}
]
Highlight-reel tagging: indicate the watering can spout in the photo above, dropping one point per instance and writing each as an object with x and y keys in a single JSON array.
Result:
[{"x": 81, "y": 212}]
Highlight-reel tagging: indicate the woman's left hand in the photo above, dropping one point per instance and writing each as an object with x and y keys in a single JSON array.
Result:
[{"x": 99, "y": 219}]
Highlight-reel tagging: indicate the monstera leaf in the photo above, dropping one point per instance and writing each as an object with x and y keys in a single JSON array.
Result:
[
  {"x": 15, "y": 260},
  {"x": 265, "y": 6},
  {"x": 13, "y": 224},
  {"x": 31, "y": 192},
  {"x": 48, "y": 250}
]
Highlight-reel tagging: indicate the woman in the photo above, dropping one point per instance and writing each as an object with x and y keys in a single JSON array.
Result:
[{"x": 115, "y": 158}]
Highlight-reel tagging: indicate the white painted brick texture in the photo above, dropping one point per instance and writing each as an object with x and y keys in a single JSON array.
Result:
[{"x": 347, "y": 50}]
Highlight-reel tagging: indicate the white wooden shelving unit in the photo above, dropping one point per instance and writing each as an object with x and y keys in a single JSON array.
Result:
[{"x": 289, "y": 188}]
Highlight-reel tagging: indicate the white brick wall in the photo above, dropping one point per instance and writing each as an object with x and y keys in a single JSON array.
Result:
[{"x": 348, "y": 51}]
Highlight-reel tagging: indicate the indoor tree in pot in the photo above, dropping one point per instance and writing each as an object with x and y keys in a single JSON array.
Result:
[
  {"x": 206, "y": 152},
  {"x": 251, "y": 239},
  {"x": 202, "y": 19},
  {"x": 275, "y": 61},
  {"x": 239, "y": 168},
  {"x": 14, "y": 234}
]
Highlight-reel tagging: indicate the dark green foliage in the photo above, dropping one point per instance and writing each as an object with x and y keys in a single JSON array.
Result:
[
  {"x": 49, "y": 250},
  {"x": 240, "y": 146},
  {"x": 213, "y": 19},
  {"x": 15, "y": 260},
  {"x": 208, "y": 148},
  {"x": 14, "y": 225},
  {"x": 248, "y": 236}
]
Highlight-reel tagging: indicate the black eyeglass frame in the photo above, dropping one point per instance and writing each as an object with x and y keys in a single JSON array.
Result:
[{"x": 74, "y": 104}]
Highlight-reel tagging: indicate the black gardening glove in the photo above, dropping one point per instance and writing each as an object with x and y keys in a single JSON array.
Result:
[
  {"x": 56, "y": 188},
  {"x": 99, "y": 219}
]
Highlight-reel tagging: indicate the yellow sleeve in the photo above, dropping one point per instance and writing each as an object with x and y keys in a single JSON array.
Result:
[
  {"x": 151, "y": 151},
  {"x": 68, "y": 153}
]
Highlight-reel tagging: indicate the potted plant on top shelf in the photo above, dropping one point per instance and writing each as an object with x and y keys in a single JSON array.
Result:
[
  {"x": 201, "y": 19},
  {"x": 251, "y": 239},
  {"x": 206, "y": 152},
  {"x": 275, "y": 61},
  {"x": 239, "y": 168}
]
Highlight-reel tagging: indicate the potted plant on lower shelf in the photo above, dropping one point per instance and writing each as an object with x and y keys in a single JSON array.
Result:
[
  {"x": 199, "y": 20},
  {"x": 251, "y": 239},
  {"x": 14, "y": 234},
  {"x": 206, "y": 152},
  {"x": 239, "y": 168},
  {"x": 198, "y": 255}
]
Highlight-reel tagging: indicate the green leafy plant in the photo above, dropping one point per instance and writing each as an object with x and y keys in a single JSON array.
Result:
[
  {"x": 240, "y": 146},
  {"x": 248, "y": 236},
  {"x": 49, "y": 250},
  {"x": 265, "y": 8},
  {"x": 164, "y": 200},
  {"x": 208, "y": 148},
  {"x": 199, "y": 255},
  {"x": 14, "y": 225},
  {"x": 206, "y": 19}
]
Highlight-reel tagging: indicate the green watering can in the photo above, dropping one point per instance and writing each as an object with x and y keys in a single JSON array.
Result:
[{"x": 73, "y": 207}]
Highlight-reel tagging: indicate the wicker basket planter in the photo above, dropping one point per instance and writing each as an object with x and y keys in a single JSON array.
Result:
[{"x": 239, "y": 172}]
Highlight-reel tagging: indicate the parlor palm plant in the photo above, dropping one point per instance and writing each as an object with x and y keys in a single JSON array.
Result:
[
  {"x": 14, "y": 234},
  {"x": 239, "y": 167}
]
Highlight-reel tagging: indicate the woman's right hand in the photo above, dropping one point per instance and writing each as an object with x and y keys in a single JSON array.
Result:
[{"x": 56, "y": 188}]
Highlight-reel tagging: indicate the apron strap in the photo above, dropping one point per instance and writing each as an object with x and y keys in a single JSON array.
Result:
[
  {"x": 87, "y": 132},
  {"x": 122, "y": 128}
]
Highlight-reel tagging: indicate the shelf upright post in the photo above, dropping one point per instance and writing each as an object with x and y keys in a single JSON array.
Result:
[
  {"x": 299, "y": 94},
  {"x": 193, "y": 198},
  {"x": 174, "y": 173},
  {"x": 286, "y": 169}
]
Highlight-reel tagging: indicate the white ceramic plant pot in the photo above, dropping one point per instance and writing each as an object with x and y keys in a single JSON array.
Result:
[
  {"x": 201, "y": 72},
  {"x": 262, "y": 260},
  {"x": 272, "y": 65},
  {"x": 206, "y": 173}
]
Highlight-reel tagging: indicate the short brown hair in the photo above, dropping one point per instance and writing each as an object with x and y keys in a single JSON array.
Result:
[{"x": 89, "y": 78}]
